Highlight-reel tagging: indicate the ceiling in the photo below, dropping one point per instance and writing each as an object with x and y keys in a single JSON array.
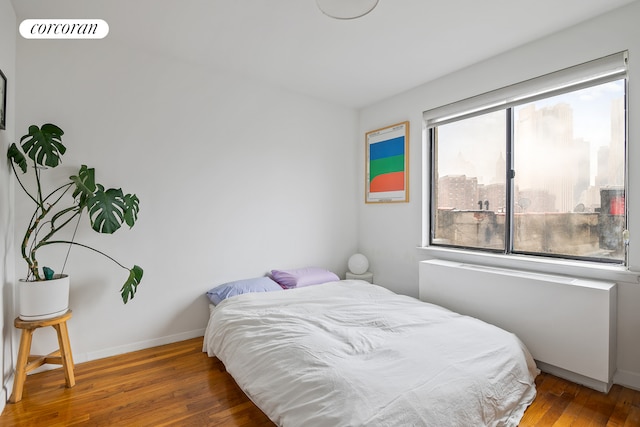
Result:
[{"x": 290, "y": 43}]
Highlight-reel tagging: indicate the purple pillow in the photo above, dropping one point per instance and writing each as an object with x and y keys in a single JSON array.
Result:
[
  {"x": 238, "y": 287},
  {"x": 300, "y": 277}
]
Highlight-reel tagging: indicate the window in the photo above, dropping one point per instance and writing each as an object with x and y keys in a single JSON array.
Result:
[{"x": 536, "y": 168}]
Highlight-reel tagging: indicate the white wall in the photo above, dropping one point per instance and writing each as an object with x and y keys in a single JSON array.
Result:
[
  {"x": 235, "y": 178},
  {"x": 7, "y": 277},
  {"x": 389, "y": 235}
]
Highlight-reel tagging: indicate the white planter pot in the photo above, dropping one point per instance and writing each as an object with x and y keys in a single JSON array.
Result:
[{"x": 44, "y": 299}]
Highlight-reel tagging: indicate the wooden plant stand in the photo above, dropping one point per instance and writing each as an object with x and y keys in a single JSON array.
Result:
[{"x": 27, "y": 362}]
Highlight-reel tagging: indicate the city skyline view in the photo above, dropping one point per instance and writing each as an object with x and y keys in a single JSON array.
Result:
[{"x": 566, "y": 148}]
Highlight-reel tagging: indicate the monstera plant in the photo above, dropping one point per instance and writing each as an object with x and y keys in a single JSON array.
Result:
[{"x": 107, "y": 210}]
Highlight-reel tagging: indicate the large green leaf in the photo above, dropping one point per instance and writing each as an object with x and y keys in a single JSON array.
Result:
[
  {"x": 15, "y": 155},
  {"x": 132, "y": 207},
  {"x": 106, "y": 209},
  {"x": 44, "y": 145},
  {"x": 85, "y": 183},
  {"x": 130, "y": 287}
]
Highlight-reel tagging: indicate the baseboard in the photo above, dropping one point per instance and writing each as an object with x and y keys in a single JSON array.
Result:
[
  {"x": 627, "y": 379},
  {"x": 7, "y": 387},
  {"x": 140, "y": 345},
  {"x": 114, "y": 351},
  {"x": 573, "y": 377}
]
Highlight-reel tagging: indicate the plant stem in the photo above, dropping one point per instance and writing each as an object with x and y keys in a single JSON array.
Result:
[
  {"x": 52, "y": 242},
  {"x": 35, "y": 166},
  {"x": 15, "y": 173},
  {"x": 30, "y": 258}
]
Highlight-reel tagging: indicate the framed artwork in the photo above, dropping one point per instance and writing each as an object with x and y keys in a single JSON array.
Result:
[
  {"x": 387, "y": 164},
  {"x": 3, "y": 100}
]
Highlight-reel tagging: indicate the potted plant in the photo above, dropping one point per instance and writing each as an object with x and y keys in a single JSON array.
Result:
[{"x": 40, "y": 149}]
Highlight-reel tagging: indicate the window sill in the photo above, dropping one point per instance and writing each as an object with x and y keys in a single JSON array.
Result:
[{"x": 582, "y": 269}]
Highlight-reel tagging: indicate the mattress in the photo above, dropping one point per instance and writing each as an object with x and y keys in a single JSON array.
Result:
[{"x": 350, "y": 353}]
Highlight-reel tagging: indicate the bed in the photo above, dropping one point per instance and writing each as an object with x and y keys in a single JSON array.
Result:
[{"x": 350, "y": 353}]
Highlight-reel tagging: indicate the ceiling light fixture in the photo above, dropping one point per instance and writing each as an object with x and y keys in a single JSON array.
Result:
[{"x": 346, "y": 9}]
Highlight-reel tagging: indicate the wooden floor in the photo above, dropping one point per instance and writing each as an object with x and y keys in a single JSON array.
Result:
[{"x": 178, "y": 385}]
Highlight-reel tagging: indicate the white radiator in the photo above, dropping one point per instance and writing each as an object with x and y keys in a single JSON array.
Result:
[{"x": 568, "y": 324}]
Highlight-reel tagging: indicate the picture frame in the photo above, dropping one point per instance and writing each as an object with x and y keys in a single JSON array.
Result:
[
  {"x": 3, "y": 100},
  {"x": 387, "y": 164}
]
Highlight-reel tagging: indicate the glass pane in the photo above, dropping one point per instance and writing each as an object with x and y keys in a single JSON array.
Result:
[
  {"x": 469, "y": 191},
  {"x": 569, "y": 190}
]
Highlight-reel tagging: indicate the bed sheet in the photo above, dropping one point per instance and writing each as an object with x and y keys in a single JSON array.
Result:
[{"x": 349, "y": 353}]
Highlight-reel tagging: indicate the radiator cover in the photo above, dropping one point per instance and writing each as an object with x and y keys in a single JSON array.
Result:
[{"x": 568, "y": 324}]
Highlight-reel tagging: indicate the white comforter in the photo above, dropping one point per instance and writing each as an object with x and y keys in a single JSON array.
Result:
[{"x": 350, "y": 353}]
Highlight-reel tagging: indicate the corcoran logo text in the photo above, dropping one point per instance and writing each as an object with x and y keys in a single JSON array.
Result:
[{"x": 64, "y": 29}]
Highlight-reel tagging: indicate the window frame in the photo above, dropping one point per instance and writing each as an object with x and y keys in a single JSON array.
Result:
[{"x": 589, "y": 74}]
